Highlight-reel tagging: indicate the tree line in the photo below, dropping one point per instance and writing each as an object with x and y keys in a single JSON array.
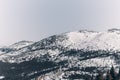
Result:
[{"x": 109, "y": 75}]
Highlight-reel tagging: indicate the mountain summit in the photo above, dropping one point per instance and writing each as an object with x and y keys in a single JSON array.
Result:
[{"x": 72, "y": 55}]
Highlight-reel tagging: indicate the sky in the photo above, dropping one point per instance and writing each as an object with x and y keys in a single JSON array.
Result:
[{"x": 34, "y": 20}]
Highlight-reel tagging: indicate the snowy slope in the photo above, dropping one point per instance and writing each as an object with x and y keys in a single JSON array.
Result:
[
  {"x": 95, "y": 40},
  {"x": 14, "y": 47},
  {"x": 20, "y": 44},
  {"x": 83, "y": 50}
]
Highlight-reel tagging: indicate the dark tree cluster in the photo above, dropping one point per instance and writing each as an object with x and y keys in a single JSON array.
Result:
[{"x": 110, "y": 75}]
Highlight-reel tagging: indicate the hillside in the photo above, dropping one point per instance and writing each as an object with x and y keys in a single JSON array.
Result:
[{"x": 72, "y": 55}]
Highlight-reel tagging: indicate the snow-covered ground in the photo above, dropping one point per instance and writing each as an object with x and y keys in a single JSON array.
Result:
[
  {"x": 21, "y": 44},
  {"x": 2, "y": 77}
]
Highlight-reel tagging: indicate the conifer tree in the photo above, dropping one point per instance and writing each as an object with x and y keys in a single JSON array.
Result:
[
  {"x": 108, "y": 76},
  {"x": 113, "y": 74},
  {"x": 92, "y": 77},
  {"x": 118, "y": 75},
  {"x": 99, "y": 77},
  {"x": 119, "y": 72}
]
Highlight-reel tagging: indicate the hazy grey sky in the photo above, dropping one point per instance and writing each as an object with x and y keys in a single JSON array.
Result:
[{"x": 37, "y": 19}]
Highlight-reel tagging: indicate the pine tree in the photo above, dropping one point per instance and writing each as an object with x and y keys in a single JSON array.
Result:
[
  {"x": 108, "y": 76},
  {"x": 119, "y": 72},
  {"x": 91, "y": 78},
  {"x": 118, "y": 75},
  {"x": 99, "y": 77},
  {"x": 113, "y": 73}
]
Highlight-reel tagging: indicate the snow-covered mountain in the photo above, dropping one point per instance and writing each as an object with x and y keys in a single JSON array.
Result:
[{"x": 80, "y": 53}]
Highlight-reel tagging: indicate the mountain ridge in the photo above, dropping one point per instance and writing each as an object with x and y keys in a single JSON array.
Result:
[
  {"x": 86, "y": 40},
  {"x": 79, "y": 52}
]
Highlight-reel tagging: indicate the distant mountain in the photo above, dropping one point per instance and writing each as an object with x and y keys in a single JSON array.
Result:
[{"x": 72, "y": 55}]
